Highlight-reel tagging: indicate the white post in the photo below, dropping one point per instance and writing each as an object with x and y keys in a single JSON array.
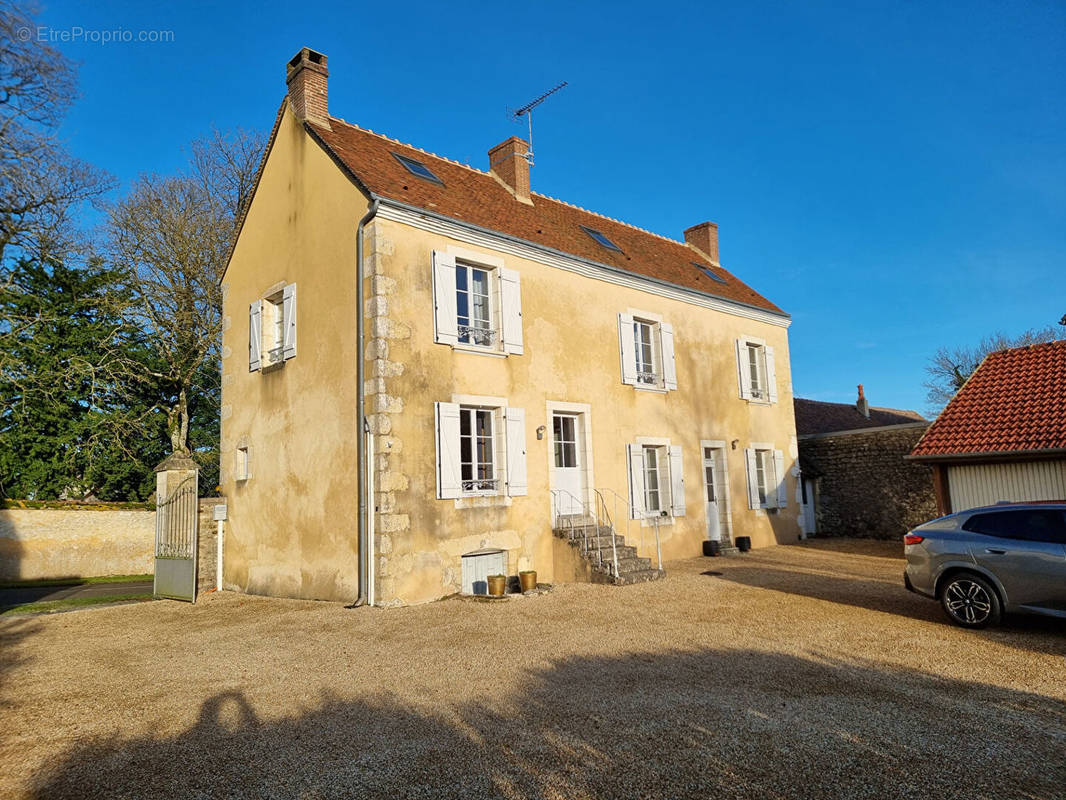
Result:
[
  {"x": 218, "y": 560},
  {"x": 371, "y": 508}
]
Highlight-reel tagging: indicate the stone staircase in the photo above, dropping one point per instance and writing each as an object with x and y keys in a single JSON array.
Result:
[{"x": 594, "y": 545}]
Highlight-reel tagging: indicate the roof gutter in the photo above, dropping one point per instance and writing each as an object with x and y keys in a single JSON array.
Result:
[
  {"x": 993, "y": 455},
  {"x": 364, "y": 426}
]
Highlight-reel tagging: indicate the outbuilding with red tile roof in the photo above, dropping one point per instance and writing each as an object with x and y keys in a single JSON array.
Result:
[{"x": 1003, "y": 435}]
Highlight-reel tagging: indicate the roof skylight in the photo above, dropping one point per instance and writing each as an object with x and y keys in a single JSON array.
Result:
[
  {"x": 601, "y": 238},
  {"x": 418, "y": 168},
  {"x": 714, "y": 276}
]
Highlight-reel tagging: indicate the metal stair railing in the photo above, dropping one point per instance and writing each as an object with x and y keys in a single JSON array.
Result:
[
  {"x": 616, "y": 501},
  {"x": 589, "y": 517}
]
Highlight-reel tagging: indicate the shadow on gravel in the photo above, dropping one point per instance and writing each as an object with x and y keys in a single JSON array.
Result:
[
  {"x": 740, "y": 724},
  {"x": 1035, "y": 634}
]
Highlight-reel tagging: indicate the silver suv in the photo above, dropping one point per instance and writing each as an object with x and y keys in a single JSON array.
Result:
[{"x": 982, "y": 562}]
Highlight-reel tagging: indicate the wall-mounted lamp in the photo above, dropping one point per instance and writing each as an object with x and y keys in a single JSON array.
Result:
[
  {"x": 540, "y": 432},
  {"x": 733, "y": 443}
]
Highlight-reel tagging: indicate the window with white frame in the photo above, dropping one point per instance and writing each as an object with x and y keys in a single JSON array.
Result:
[
  {"x": 647, "y": 352},
  {"x": 242, "y": 466},
  {"x": 272, "y": 329},
  {"x": 766, "y": 477},
  {"x": 473, "y": 302},
  {"x": 656, "y": 479},
  {"x": 477, "y": 304},
  {"x": 645, "y": 346},
  {"x": 477, "y": 450},
  {"x": 481, "y": 450},
  {"x": 756, "y": 371},
  {"x": 653, "y": 492}
]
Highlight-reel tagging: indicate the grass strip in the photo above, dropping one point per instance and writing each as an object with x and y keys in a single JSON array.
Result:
[
  {"x": 72, "y": 602},
  {"x": 73, "y": 581}
]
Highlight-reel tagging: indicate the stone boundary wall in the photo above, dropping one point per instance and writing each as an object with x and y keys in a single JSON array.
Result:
[
  {"x": 89, "y": 542},
  {"x": 866, "y": 487},
  {"x": 75, "y": 542}
]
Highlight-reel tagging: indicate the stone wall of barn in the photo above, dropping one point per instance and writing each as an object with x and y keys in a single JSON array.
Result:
[{"x": 866, "y": 487}]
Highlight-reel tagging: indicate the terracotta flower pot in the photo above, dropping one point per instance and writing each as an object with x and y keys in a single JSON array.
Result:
[
  {"x": 528, "y": 578},
  {"x": 497, "y": 585}
]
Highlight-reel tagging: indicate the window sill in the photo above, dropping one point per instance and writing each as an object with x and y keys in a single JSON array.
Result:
[
  {"x": 652, "y": 389},
  {"x": 483, "y": 501},
  {"x": 649, "y": 521},
  {"x": 758, "y": 401},
  {"x": 478, "y": 351}
]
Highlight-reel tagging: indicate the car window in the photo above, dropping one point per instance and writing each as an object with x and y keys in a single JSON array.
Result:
[{"x": 1030, "y": 524}]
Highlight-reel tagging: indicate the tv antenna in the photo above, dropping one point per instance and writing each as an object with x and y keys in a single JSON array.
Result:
[{"x": 527, "y": 111}]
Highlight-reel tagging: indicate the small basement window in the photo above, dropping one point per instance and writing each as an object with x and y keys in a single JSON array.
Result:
[
  {"x": 601, "y": 238},
  {"x": 418, "y": 168},
  {"x": 706, "y": 270}
]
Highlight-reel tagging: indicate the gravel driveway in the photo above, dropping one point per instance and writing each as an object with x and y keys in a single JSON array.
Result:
[{"x": 801, "y": 671}]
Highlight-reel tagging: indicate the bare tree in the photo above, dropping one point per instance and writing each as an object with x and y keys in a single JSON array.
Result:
[
  {"x": 172, "y": 235},
  {"x": 950, "y": 368},
  {"x": 41, "y": 184}
]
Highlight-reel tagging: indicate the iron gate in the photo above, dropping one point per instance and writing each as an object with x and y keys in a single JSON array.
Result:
[{"x": 176, "y": 519}]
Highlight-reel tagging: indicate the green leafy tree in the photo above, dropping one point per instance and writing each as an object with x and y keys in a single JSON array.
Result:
[{"x": 77, "y": 415}]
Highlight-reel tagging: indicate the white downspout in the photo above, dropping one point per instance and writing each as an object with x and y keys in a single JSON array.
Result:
[{"x": 370, "y": 515}]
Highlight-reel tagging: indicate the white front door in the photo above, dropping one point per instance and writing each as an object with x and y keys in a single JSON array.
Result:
[
  {"x": 714, "y": 520},
  {"x": 714, "y": 493},
  {"x": 569, "y": 478}
]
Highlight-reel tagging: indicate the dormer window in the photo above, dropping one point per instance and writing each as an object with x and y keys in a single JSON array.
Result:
[
  {"x": 418, "y": 169},
  {"x": 706, "y": 270},
  {"x": 601, "y": 238}
]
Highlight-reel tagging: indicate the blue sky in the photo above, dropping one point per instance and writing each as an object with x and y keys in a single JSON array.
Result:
[{"x": 892, "y": 174}]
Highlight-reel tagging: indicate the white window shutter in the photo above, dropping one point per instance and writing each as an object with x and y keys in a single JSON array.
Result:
[
  {"x": 742, "y": 370},
  {"x": 635, "y": 460},
  {"x": 666, "y": 341},
  {"x": 771, "y": 374},
  {"x": 753, "y": 479},
  {"x": 288, "y": 315},
  {"x": 517, "y": 482},
  {"x": 511, "y": 316},
  {"x": 449, "y": 477},
  {"x": 628, "y": 350},
  {"x": 255, "y": 335},
  {"x": 779, "y": 476},
  {"x": 677, "y": 481},
  {"x": 445, "y": 321}
]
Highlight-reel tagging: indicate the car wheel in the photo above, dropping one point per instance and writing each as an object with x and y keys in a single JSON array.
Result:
[{"x": 970, "y": 601}]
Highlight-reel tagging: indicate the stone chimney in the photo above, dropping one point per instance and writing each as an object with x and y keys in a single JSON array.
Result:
[
  {"x": 861, "y": 405},
  {"x": 704, "y": 237},
  {"x": 508, "y": 162},
  {"x": 307, "y": 78}
]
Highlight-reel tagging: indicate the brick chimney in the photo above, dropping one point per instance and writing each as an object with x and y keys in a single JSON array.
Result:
[
  {"x": 508, "y": 162},
  {"x": 861, "y": 405},
  {"x": 704, "y": 237},
  {"x": 307, "y": 78}
]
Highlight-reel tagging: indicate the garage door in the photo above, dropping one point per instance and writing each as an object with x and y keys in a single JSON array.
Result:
[{"x": 975, "y": 485}]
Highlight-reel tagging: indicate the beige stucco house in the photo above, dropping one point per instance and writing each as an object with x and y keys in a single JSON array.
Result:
[{"x": 524, "y": 363}]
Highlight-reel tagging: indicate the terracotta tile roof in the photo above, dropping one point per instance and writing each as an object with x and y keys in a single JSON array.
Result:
[
  {"x": 1014, "y": 402},
  {"x": 816, "y": 416},
  {"x": 475, "y": 196}
]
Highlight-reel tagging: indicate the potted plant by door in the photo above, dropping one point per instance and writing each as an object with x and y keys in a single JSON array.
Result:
[
  {"x": 497, "y": 585},
  {"x": 528, "y": 579}
]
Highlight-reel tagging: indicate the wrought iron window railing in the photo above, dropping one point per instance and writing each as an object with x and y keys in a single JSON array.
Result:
[
  {"x": 481, "y": 485},
  {"x": 473, "y": 334}
]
